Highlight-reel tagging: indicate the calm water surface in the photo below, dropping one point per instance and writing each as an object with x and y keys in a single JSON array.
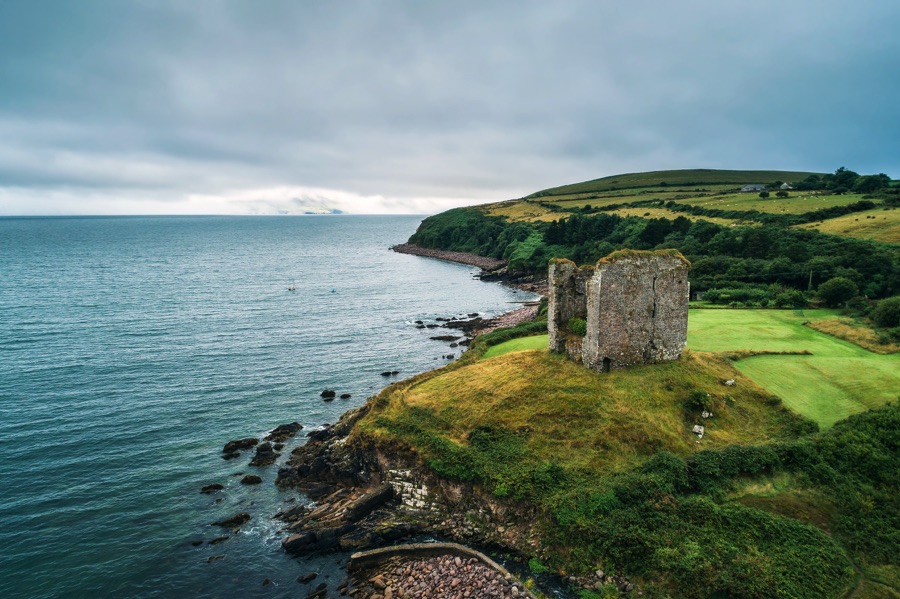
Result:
[{"x": 133, "y": 348}]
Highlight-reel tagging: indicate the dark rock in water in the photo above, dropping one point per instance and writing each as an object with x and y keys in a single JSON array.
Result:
[
  {"x": 235, "y": 522},
  {"x": 328, "y": 393},
  {"x": 449, "y": 356},
  {"x": 445, "y": 337},
  {"x": 386, "y": 373},
  {"x": 309, "y": 577},
  {"x": 320, "y": 433},
  {"x": 473, "y": 315},
  {"x": 421, "y": 326},
  {"x": 265, "y": 455},
  {"x": 251, "y": 479},
  {"x": 346, "y": 396},
  {"x": 267, "y": 581},
  {"x": 211, "y": 488},
  {"x": 214, "y": 558},
  {"x": 218, "y": 540},
  {"x": 432, "y": 326},
  {"x": 239, "y": 445},
  {"x": 197, "y": 542},
  {"x": 283, "y": 432},
  {"x": 278, "y": 446},
  {"x": 230, "y": 456},
  {"x": 454, "y": 345},
  {"x": 320, "y": 593},
  {"x": 395, "y": 372},
  {"x": 419, "y": 322},
  {"x": 441, "y": 319},
  {"x": 329, "y": 398}
]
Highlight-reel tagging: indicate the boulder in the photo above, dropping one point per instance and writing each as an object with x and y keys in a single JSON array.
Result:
[
  {"x": 239, "y": 445},
  {"x": 235, "y": 522},
  {"x": 251, "y": 479},
  {"x": 283, "y": 432},
  {"x": 211, "y": 488},
  {"x": 318, "y": 539},
  {"x": 328, "y": 393},
  {"x": 346, "y": 396},
  {"x": 308, "y": 577},
  {"x": 372, "y": 500},
  {"x": 265, "y": 455}
]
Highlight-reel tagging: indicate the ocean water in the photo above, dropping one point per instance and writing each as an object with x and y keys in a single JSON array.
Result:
[{"x": 133, "y": 348}]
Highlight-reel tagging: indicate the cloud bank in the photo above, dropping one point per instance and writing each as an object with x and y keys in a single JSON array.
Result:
[{"x": 218, "y": 106}]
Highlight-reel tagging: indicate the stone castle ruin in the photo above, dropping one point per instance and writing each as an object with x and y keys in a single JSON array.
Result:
[{"x": 631, "y": 308}]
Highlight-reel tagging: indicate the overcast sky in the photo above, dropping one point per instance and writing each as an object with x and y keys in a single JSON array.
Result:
[{"x": 260, "y": 106}]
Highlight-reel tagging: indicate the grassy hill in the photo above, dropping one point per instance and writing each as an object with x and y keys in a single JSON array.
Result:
[
  {"x": 676, "y": 178},
  {"x": 760, "y": 506}
]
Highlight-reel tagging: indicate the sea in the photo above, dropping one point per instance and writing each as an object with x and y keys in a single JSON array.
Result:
[{"x": 133, "y": 348}]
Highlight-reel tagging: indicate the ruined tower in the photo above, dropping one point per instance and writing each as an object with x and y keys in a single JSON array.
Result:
[{"x": 631, "y": 308}]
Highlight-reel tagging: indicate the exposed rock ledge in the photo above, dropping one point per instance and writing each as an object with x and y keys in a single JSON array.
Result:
[{"x": 367, "y": 498}]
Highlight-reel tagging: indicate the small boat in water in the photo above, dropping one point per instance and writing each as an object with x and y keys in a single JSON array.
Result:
[{"x": 293, "y": 287}]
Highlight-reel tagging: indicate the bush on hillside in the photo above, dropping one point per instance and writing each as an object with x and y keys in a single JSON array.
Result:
[
  {"x": 887, "y": 313},
  {"x": 837, "y": 291}
]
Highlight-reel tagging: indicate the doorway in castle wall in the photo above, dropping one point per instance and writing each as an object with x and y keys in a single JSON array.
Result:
[{"x": 605, "y": 366}]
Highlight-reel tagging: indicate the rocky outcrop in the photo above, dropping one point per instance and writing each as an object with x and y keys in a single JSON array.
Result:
[
  {"x": 233, "y": 449},
  {"x": 283, "y": 432},
  {"x": 366, "y": 497},
  {"x": 265, "y": 455},
  {"x": 235, "y": 522}
]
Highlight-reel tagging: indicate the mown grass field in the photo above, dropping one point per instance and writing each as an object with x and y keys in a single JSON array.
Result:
[
  {"x": 878, "y": 224},
  {"x": 839, "y": 378}
]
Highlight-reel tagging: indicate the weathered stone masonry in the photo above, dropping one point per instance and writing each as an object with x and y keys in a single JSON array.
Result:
[{"x": 635, "y": 304}]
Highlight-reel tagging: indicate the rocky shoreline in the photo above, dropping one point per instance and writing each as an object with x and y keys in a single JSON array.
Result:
[
  {"x": 363, "y": 497},
  {"x": 488, "y": 264}
]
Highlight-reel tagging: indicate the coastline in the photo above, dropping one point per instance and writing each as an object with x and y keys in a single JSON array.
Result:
[
  {"x": 375, "y": 502},
  {"x": 482, "y": 262}
]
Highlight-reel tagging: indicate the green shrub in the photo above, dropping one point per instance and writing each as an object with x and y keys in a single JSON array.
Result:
[
  {"x": 536, "y": 567},
  {"x": 887, "y": 313},
  {"x": 698, "y": 401},
  {"x": 837, "y": 291},
  {"x": 578, "y": 326}
]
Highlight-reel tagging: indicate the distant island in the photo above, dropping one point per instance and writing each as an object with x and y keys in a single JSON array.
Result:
[{"x": 762, "y": 462}]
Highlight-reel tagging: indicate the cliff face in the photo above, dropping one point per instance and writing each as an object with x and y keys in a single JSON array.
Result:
[
  {"x": 635, "y": 305},
  {"x": 369, "y": 496}
]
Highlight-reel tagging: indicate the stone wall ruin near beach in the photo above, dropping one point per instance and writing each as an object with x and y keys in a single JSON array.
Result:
[{"x": 634, "y": 304}]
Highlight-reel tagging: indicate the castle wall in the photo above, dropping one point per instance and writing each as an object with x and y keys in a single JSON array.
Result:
[
  {"x": 636, "y": 307},
  {"x": 567, "y": 299}
]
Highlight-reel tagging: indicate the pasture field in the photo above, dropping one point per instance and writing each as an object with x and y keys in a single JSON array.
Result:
[
  {"x": 687, "y": 178},
  {"x": 837, "y": 380},
  {"x": 665, "y": 213},
  {"x": 797, "y": 203},
  {"x": 878, "y": 224}
]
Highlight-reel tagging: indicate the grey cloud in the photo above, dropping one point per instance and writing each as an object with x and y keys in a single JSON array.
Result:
[{"x": 410, "y": 100}]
